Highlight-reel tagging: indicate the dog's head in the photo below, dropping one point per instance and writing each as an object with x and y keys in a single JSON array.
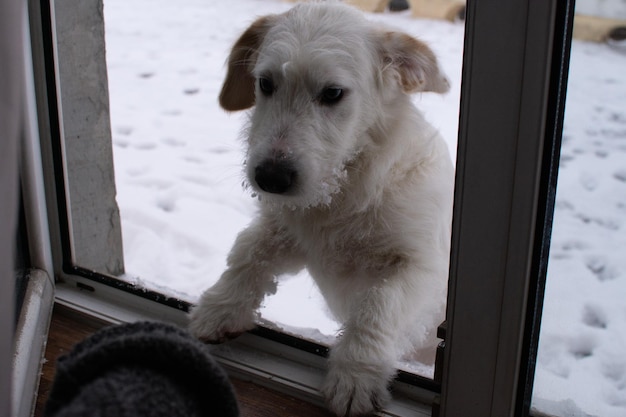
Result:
[{"x": 320, "y": 77}]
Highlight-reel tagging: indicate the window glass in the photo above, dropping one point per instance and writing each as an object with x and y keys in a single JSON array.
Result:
[
  {"x": 178, "y": 155},
  {"x": 581, "y": 366}
]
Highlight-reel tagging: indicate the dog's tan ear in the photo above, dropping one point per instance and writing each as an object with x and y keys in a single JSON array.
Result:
[
  {"x": 238, "y": 89},
  {"x": 413, "y": 62}
]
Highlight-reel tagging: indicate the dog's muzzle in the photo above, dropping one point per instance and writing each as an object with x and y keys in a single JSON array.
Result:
[{"x": 276, "y": 177}]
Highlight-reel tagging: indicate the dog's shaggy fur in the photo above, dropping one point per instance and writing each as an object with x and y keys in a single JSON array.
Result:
[{"x": 353, "y": 184}]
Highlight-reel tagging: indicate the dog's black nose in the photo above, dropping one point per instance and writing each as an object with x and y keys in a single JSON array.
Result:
[{"x": 275, "y": 177}]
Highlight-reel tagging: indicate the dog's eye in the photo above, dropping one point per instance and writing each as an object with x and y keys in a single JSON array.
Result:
[
  {"x": 331, "y": 95},
  {"x": 267, "y": 86}
]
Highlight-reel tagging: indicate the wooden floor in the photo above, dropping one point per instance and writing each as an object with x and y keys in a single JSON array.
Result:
[{"x": 68, "y": 328}]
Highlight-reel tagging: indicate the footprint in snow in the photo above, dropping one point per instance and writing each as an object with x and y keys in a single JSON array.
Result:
[
  {"x": 594, "y": 316},
  {"x": 582, "y": 346},
  {"x": 561, "y": 204},
  {"x": 167, "y": 204},
  {"x": 616, "y": 372},
  {"x": 574, "y": 245},
  {"x": 620, "y": 175},
  {"x": 193, "y": 159},
  {"x": 619, "y": 118},
  {"x": 609, "y": 224},
  {"x": 146, "y": 146},
  {"x": 614, "y": 133},
  {"x": 122, "y": 143},
  {"x": 588, "y": 182},
  {"x": 173, "y": 142},
  {"x": 124, "y": 130},
  {"x": 565, "y": 158},
  {"x": 600, "y": 268},
  {"x": 219, "y": 150}
]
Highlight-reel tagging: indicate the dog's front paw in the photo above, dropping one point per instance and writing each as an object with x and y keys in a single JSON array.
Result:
[
  {"x": 356, "y": 389},
  {"x": 213, "y": 321}
]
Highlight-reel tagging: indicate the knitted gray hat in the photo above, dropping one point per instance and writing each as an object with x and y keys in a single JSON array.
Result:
[{"x": 140, "y": 369}]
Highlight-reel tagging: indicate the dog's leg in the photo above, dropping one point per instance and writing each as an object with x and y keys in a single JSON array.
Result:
[
  {"x": 260, "y": 253},
  {"x": 363, "y": 361}
]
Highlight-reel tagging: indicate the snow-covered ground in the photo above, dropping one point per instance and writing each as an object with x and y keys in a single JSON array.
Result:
[
  {"x": 582, "y": 352},
  {"x": 178, "y": 170}
]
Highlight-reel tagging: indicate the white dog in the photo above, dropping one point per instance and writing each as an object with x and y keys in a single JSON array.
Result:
[{"x": 353, "y": 184}]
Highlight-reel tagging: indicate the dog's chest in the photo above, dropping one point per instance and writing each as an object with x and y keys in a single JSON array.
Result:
[{"x": 341, "y": 244}]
